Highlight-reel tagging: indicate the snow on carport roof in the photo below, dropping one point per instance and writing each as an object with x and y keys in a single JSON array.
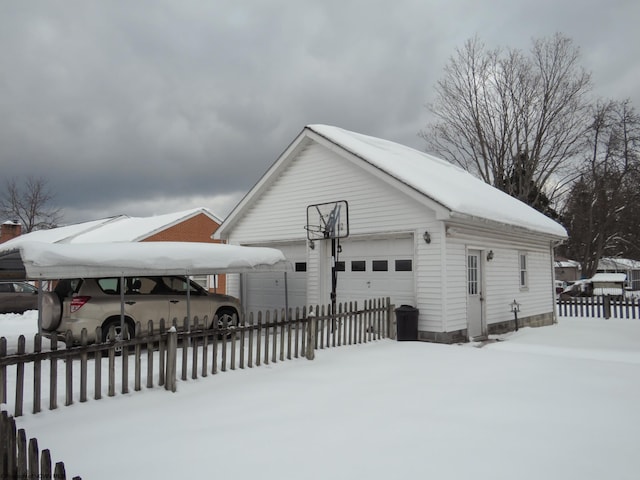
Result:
[
  {"x": 64, "y": 260},
  {"x": 450, "y": 186}
]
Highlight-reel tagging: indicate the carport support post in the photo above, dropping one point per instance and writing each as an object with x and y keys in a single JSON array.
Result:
[
  {"x": 40, "y": 302},
  {"x": 188, "y": 278},
  {"x": 286, "y": 298},
  {"x": 122, "y": 306}
]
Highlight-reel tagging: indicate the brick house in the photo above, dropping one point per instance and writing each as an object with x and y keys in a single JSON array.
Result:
[{"x": 194, "y": 225}]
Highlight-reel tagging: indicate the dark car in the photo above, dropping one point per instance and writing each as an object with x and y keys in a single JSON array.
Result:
[
  {"x": 17, "y": 297},
  {"x": 579, "y": 288}
]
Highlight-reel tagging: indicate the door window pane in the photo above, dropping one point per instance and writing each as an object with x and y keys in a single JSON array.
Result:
[{"x": 472, "y": 272}]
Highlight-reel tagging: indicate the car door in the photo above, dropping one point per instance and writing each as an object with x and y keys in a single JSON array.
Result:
[
  {"x": 199, "y": 308},
  {"x": 145, "y": 301}
]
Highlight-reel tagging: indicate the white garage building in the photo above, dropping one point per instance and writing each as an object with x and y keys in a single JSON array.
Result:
[{"x": 421, "y": 231}]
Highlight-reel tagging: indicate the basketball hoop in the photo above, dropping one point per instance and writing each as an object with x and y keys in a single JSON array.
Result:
[{"x": 328, "y": 221}]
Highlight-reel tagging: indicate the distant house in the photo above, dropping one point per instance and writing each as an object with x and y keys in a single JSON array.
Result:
[
  {"x": 194, "y": 225},
  {"x": 420, "y": 230},
  {"x": 567, "y": 270},
  {"x": 622, "y": 265}
]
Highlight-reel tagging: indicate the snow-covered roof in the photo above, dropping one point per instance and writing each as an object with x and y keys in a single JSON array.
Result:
[
  {"x": 566, "y": 264},
  {"x": 115, "y": 229},
  {"x": 618, "y": 264},
  {"x": 75, "y": 260},
  {"x": 609, "y": 277},
  {"x": 448, "y": 185}
]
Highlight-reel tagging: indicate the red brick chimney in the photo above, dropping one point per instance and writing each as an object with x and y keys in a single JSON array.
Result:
[{"x": 9, "y": 230}]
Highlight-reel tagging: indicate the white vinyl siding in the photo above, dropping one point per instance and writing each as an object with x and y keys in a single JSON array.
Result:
[
  {"x": 317, "y": 176},
  {"x": 503, "y": 285},
  {"x": 456, "y": 281},
  {"x": 502, "y": 277}
]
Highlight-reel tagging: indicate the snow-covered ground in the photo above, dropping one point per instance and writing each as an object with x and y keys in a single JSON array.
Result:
[{"x": 560, "y": 402}]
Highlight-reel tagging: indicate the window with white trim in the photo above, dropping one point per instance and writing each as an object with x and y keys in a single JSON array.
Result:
[{"x": 523, "y": 270}]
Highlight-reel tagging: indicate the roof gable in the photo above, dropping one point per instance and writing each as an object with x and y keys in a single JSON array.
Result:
[{"x": 437, "y": 181}]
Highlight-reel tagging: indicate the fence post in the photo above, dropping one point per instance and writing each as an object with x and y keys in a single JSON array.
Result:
[
  {"x": 20, "y": 378},
  {"x": 32, "y": 459},
  {"x": 391, "y": 320},
  {"x": 311, "y": 336},
  {"x": 172, "y": 354},
  {"x": 68, "y": 364},
  {"x": 3, "y": 371},
  {"x": 607, "y": 306}
]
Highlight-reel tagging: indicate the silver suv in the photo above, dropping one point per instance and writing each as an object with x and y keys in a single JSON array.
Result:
[{"x": 95, "y": 302}]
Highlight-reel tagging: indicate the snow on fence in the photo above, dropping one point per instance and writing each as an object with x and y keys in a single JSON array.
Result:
[
  {"x": 163, "y": 354},
  {"x": 599, "y": 307},
  {"x": 19, "y": 459}
]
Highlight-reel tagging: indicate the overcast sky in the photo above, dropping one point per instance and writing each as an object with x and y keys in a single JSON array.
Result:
[{"x": 154, "y": 106}]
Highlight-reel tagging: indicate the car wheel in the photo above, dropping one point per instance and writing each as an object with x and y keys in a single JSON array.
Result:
[
  {"x": 117, "y": 332},
  {"x": 228, "y": 317}
]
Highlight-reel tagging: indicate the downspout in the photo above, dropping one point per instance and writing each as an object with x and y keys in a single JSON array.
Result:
[{"x": 553, "y": 280}]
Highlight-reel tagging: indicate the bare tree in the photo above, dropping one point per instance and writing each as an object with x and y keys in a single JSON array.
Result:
[
  {"x": 601, "y": 213},
  {"x": 513, "y": 120},
  {"x": 30, "y": 203}
]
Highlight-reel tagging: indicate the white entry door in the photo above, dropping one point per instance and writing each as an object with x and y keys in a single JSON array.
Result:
[{"x": 475, "y": 321}]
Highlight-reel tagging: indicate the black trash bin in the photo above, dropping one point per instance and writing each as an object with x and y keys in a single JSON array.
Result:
[{"x": 407, "y": 323}]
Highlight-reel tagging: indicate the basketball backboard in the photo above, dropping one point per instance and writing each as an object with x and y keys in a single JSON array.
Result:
[{"x": 328, "y": 220}]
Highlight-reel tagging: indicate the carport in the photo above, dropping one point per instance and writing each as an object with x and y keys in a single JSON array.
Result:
[{"x": 33, "y": 260}]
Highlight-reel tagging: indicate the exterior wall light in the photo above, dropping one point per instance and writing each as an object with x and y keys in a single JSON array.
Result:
[
  {"x": 515, "y": 308},
  {"x": 426, "y": 237},
  {"x": 490, "y": 255},
  {"x": 312, "y": 245}
]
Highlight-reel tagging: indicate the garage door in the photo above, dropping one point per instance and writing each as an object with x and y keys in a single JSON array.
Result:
[
  {"x": 377, "y": 268},
  {"x": 266, "y": 290}
]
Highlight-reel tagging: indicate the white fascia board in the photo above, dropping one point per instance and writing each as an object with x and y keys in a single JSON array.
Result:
[{"x": 470, "y": 228}]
